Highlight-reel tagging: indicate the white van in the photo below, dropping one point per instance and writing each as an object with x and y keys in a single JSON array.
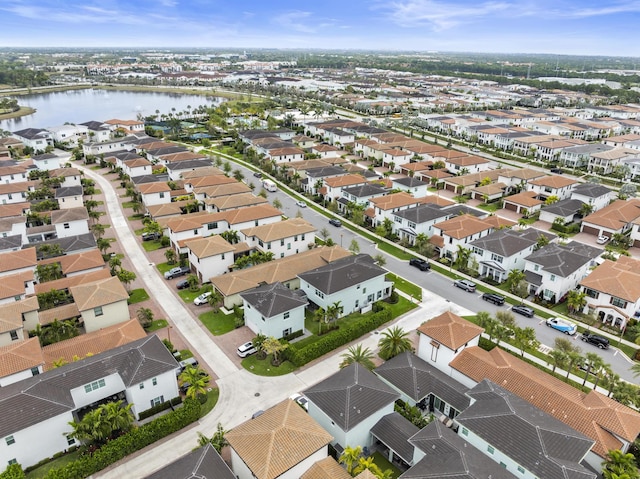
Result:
[{"x": 269, "y": 185}]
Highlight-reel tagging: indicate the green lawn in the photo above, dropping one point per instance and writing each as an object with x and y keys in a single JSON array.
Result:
[
  {"x": 152, "y": 245},
  {"x": 218, "y": 323},
  {"x": 384, "y": 464},
  {"x": 156, "y": 325},
  {"x": 137, "y": 216},
  {"x": 263, "y": 367},
  {"x": 212, "y": 400},
  {"x": 137, "y": 296},
  {"x": 128, "y": 204},
  {"x": 54, "y": 464},
  {"x": 185, "y": 354},
  {"x": 406, "y": 286},
  {"x": 188, "y": 296},
  {"x": 164, "y": 267},
  {"x": 490, "y": 207}
]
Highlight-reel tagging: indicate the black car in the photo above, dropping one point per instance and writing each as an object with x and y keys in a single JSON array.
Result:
[
  {"x": 523, "y": 310},
  {"x": 335, "y": 222},
  {"x": 557, "y": 171},
  {"x": 257, "y": 174},
  {"x": 150, "y": 236},
  {"x": 421, "y": 264},
  {"x": 494, "y": 298},
  {"x": 182, "y": 284},
  {"x": 600, "y": 341}
]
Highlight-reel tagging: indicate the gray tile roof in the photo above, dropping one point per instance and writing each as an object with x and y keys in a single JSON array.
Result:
[
  {"x": 534, "y": 439},
  {"x": 507, "y": 242},
  {"x": 47, "y": 395},
  {"x": 395, "y": 431},
  {"x": 448, "y": 455},
  {"x": 139, "y": 180},
  {"x": 362, "y": 191},
  {"x": 70, "y": 244},
  {"x": 189, "y": 165},
  {"x": 203, "y": 463},
  {"x": 32, "y": 133},
  {"x": 424, "y": 213},
  {"x": 167, "y": 150},
  {"x": 591, "y": 190},
  {"x": 273, "y": 299},
  {"x": 563, "y": 260},
  {"x": 588, "y": 149},
  {"x": 343, "y": 273},
  {"x": 564, "y": 207},
  {"x": 68, "y": 191},
  {"x": 10, "y": 242},
  {"x": 410, "y": 182},
  {"x": 325, "y": 171},
  {"x": 459, "y": 210},
  {"x": 417, "y": 379},
  {"x": 351, "y": 395}
]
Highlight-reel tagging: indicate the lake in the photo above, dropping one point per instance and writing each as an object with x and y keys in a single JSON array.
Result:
[{"x": 79, "y": 106}]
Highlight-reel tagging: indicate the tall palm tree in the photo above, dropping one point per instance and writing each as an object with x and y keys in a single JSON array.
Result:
[
  {"x": 355, "y": 354},
  {"x": 367, "y": 464},
  {"x": 350, "y": 456},
  {"x": 620, "y": 465},
  {"x": 393, "y": 342},
  {"x": 334, "y": 311},
  {"x": 118, "y": 417},
  {"x": 576, "y": 300},
  {"x": 559, "y": 358},
  {"x": 593, "y": 362},
  {"x": 573, "y": 357},
  {"x": 198, "y": 381}
]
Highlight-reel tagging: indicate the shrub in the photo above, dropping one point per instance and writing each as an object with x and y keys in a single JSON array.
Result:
[
  {"x": 294, "y": 335},
  {"x": 13, "y": 471},
  {"x": 164, "y": 241},
  {"x": 160, "y": 407}
]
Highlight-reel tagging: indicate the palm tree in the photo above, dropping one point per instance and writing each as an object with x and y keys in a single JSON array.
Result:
[
  {"x": 334, "y": 311},
  {"x": 198, "y": 381},
  {"x": 636, "y": 369},
  {"x": 620, "y": 465},
  {"x": 349, "y": 457},
  {"x": 573, "y": 357},
  {"x": 576, "y": 300},
  {"x": 525, "y": 338},
  {"x": 559, "y": 359},
  {"x": 593, "y": 362},
  {"x": 145, "y": 316},
  {"x": 258, "y": 343},
  {"x": 218, "y": 441},
  {"x": 367, "y": 464},
  {"x": 393, "y": 342},
  {"x": 514, "y": 277},
  {"x": 626, "y": 393},
  {"x": 358, "y": 355},
  {"x": 274, "y": 347},
  {"x": 118, "y": 417}
]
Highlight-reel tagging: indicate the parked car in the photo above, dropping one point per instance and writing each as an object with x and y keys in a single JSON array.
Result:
[
  {"x": 301, "y": 400},
  {"x": 185, "y": 387},
  {"x": 562, "y": 325},
  {"x": 494, "y": 298},
  {"x": 602, "y": 239},
  {"x": 523, "y": 310},
  {"x": 177, "y": 272},
  {"x": 596, "y": 340},
  {"x": 182, "y": 284},
  {"x": 421, "y": 264},
  {"x": 193, "y": 362},
  {"x": 246, "y": 349},
  {"x": 557, "y": 171},
  {"x": 151, "y": 236},
  {"x": 335, "y": 222},
  {"x": 475, "y": 150},
  {"x": 301, "y": 204},
  {"x": 465, "y": 284},
  {"x": 257, "y": 414},
  {"x": 257, "y": 174},
  {"x": 202, "y": 299}
]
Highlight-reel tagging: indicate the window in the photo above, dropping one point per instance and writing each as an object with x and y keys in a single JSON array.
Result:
[
  {"x": 70, "y": 441},
  {"x": 255, "y": 222},
  {"x": 162, "y": 194},
  {"x": 553, "y": 277},
  {"x": 286, "y": 332},
  {"x": 10, "y": 440},
  {"x": 302, "y": 238},
  {"x": 465, "y": 431},
  {"x": 212, "y": 226},
  {"x": 154, "y": 381},
  {"x": 94, "y": 385},
  {"x": 521, "y": 469},
  {"x": 412, "y": 225},
  {"x": 282, "y": 255},
  {"x": 12, "y": 461},
  {"x": 14, "y": 335},
  {"x": 295, "y": 238},
  {"x": 536, "y": 268},
  {"x": 497, "y": 258},
  {"x": 503, "y": 465},
  {"x": 286, "y": 315},
  {"x": 281, "y": 242},
  {"x": 364, "y": 291},
  {"x": 157, "y": 401},
  {"x": 222, "y": 255},
  {"x": 591, "y": 293},
  {"x": 141, "y": 385},
  {"x": 288, "y": 245},
  {"x": 490, "y": 449},
  {"x": 620, "y": 303},
  {"x": 35, "y": 371},
  {"x": 66, "y": 226},
  {"x": 97, "y": 311},
  {"x": 319, "y": 293}
]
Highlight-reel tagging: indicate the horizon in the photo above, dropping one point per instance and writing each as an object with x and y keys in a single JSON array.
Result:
[{"x": 562, "y": 27}]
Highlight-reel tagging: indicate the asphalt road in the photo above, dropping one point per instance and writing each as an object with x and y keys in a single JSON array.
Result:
[{"x": 435, "y": 282}]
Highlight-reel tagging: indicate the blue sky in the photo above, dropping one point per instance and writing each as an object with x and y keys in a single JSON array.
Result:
[{"x": 527, "y": 26}]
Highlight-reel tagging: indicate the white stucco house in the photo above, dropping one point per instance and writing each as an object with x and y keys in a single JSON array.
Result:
[
  {"x": 274, "y": 310},
  {"x": 101, "y": 303},
  {"x": 155, "y": 193},
  {"x": 70, "y": 221},
  {"x": 210, "y": 256},
  {"x": 284, "y": 238}
]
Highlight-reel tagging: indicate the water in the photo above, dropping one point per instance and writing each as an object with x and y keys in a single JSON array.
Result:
[{"x": 78, "y": 106}]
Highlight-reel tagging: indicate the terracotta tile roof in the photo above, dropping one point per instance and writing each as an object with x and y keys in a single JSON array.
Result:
[
  {"x": 436, "y": 200},
  {"x": 394, "y": 200},
  {"x": 291, "y": 150},
  {"x": 20, "y": 356},
  {"x": 281, "y": 230},
  {"x": 66, "y": 283},
  {"x": 166, "y": 209},
  {"x": 75, "y": 262},
  {"x": 61, "y": 313},
  {"x": 205, "y": 171},
  {"x": 346, "y": 180},
  {"x": 193, "y": 221},
  {"x": 618, "y": 278},
  {"x": 250, "y": 213},
  {"x": 222, "y": 190},
  {"x": 137, "y": 162},
  {"x": 12, "y": 260},
  {"x": 209, "y": 246},
  {"x": 93, "y": 343},
  {"x": 498, "y": 222},
  {"x": 450, "y": 329},
  {"x": 18, "y": 187},
  {"x": 553, "y": 181},
  {"x": 397, "y": 152},
  {"x": 526, "y": 198},
  {"x": 366, "y": 474},
  {"x": 14, "y": 209},
  {"x": 616, "y": 215},
  {"x": 287, "y": 435},
  {"x": 181, "y": 156},
  {"x": 462, "y": 226},
  {"x": 11, "y": 313},
  {"x": 593, "y": 414},
  {"x": 14, "y": 284},
  {"x": 99, "y": 293},
  {"x": 211, "y": 180},
  {"x": 282, "y": 269},
  {"x": 155, "y": 187},
  {"x": 326, "y": 468},
  {"x": 69, "y": 214},
  {"x": 491, "y": 189},
  {"x": 418, "y": 166},
  {"x": 236, "y": 201}
]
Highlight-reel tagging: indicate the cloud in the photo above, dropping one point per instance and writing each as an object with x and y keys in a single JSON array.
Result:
[
  {"x": 293, "y": 21},
  {"x": 168, "y": 3},
  {"x": 599, "y": 11},
  {"x": 440, "y": 15}
]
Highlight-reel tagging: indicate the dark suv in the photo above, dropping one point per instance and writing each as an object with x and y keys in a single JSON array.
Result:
[
  {"x": 421, "y": 264},
  {"x": 523, "y": 310},
  {"x": 600, "y": 341},
  {"x": 493, "y": 298}
]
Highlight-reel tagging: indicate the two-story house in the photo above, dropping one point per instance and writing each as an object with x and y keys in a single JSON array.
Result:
[
  {"x": 458, "y": 232},
  {"x": 332, "y": 187},
  {"x": 101, "y": 303},
  {"x": 411, "y": 222},
  {"x": 593, "y": 194},
  {"x": 385, "y": 207},
  {"x": 70, "y": 221},
  {"x": 155, "y": 193},
  {"x": 210, "y": 256},
  {"x": 552, "y": 185},
  {"x": 285, "y": 238},
  {"x": 617, "y": 217},
  {"x": 34, "y": 138}
]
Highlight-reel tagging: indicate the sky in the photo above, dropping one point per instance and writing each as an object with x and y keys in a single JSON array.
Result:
[{"x": 582, "y": 27}]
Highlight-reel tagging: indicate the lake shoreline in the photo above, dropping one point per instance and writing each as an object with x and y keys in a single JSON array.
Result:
[{"x": 22, "y": 111}]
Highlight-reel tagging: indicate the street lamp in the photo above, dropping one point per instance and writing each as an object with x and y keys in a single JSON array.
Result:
[{"x": 340, "y": 241}]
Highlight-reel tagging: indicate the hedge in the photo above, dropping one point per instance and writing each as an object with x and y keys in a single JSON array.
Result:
[
  {"x": 160, "y": 407},
  {"x": 344, "y": 335},
  {"x": 133, "y": 441}
]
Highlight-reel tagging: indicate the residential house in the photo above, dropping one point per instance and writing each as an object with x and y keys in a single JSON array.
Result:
[
  {"x": 455, "y": 233},
  {"x": 285, "y": 238},
  {"x": 13, "y": 173},
  {"x": 504, "y": 250},
  {"x": 98, "y": 148},
  {"x": 567, "y": 211},
  {"x": 326, "y": 151},
  {"x": 290, "y": 441},
  {"x": 411, "y": 222},
  {"x": 130, "y": 126},
  {"x": 415, "y": 187},
  {"x": 354, "y": 283},
  {"x": 595, "y": 195},
  {"x": 101, "y": 303},
  {"x": 579, "y": 155},
  {"x": 11, "y": 193},
  {"x": 137, "y": 167},
  {"x": 69, "y": 197},
  {"x": 391, "y": 434},
  {"x": 349, "y": 403},
  {"x": 552, "y": 185},
  {"x": 21, "y": 261},
  {"x": 210, "y": 256},
  {"x": 617, "y": 217},
  {"x": 274, "y": 310},
  {"x": 141, "y": 373},
  {"x": 46, "y": 161},
  {"x": 178, "y": 169},
  {"x": 520, "y": 437},
  {"x": 192, "y": 184},
  {"x": 35, "y": 138},
  {"x": 516, "y": 179},
  {"x": 77, "y": 263},
  {"x": 466, "y": 164},
  {"x": 285, "y": 154},
  {"x": 361, "y": 194},
  {"x": 20, "y": 360},
  {"x": 70, "y": 221},
  {"x": 201, "y": 463},
  {"x": 15, "y": 315},
  {"x": 605, "y": 162},
  {"x": 97, "y": 131},
  {"x": 232, "y": 202},
  {"x": 383, "y": 208},
  {"x": 70, "y": 176},
  {"x": 423, "y": 385},
  {"x": 315, "y": 177},
  {"x": 612, "y": 291},
  {"x": 155, "y": 193},
  {"x": 284, "y": 270},
  {"x": 395, "y": 158},
  {"x": 333, "y": 187},
  {"x": 327, "y": 468},
  {"x": 555, "y": 269},
  {"x": 17, "y": 286}
]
